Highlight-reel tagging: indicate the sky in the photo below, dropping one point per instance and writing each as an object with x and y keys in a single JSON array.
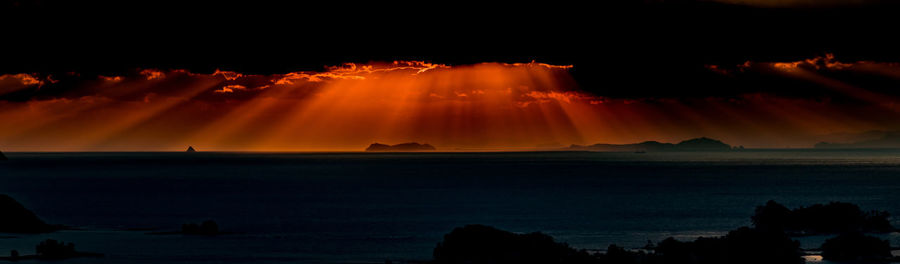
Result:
[
  {"x": 259, "y": 76},
  {"x": 483, "y": 106}
]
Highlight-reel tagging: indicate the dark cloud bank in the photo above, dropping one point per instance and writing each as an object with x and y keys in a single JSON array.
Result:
[{"x": 626, "y": 49}]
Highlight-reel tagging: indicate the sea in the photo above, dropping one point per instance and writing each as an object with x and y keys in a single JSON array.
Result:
[{"x": 373, "y": 207}]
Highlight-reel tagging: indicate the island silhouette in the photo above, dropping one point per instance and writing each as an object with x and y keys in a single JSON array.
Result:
[
  {"x": 887, "y": 140},
  {"x": 15, "y": 218},
  {"x": 191, "y": 149},
  {"x": 696, "y": 144},
  {"x": 403, "y": 147}
]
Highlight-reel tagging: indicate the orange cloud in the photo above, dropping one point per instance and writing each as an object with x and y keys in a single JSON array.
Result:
[
  {"x": 153, "y": 74},
  {"x": 111, "y": 78},
  {"x": 826, "y": 62},
  {"x": 23, "y": 78},
  {"x": 231, "y": 88},
  {"x": 567, "y": 97},
  {"x": 228, "y": 75},
  {"x": 538, "y": 64}
]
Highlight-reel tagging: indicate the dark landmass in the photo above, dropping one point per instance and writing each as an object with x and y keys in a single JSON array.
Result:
[
  {"x": 191, "y": 149},
  {"x": 887, "y": 140},
  {"x": 207, "y": 228},
  {"x": 831, "y": 218},
  {"x": 857, "y": 248},
  {"x": 477, "y": 244},
  {"x": 2, "y": 157},
  {"x": 484, "y": 244},
  {"x": 52, "y": 250},
  {"x": 696, "y": 144},
  {"x": 405, "y": 147},
  {"x": 768, "y": 241},
  {"x": 743, "y": 245},
  {"x": 16, "y": 218}
]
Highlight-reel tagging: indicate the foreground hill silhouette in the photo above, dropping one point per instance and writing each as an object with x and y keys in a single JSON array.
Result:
[
  {"x": 478, "y": 244},
  {"x": 484, "y": 244},
  {"x": 857, "y": 248},
  {"x": 51, "y": 250},
  {"x": 404, "y": 147},
  {"x": 888, "y": 140},
  {"x": 831, "y": 218},
  {"x": 15, "y": 218},
  {"x": 696, "y": 144},
  {"x": 768, "y": 241},
  {"x": 2, "y": 157}
]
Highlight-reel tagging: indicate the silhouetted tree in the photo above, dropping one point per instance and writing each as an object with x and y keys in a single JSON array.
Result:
[
  {"x": 831, "y": 218},
  {"x": 743, "y": 245},
  {"x": 771, "y": 217},
  {"x": 856, "y": 247},
  {"x": 618, "y": 255},
  {"x": 478, "y": 244},
  {"x": 52, "y": 249}
]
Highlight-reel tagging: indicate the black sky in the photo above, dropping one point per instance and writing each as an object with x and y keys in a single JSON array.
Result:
[{"x": 646, "y": 44}]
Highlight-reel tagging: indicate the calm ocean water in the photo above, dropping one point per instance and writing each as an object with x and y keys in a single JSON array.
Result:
[{"x": 365, "y": 208}]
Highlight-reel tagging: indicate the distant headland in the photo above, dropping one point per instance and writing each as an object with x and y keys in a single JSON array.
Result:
[
  {"x": 696, "y": 144},
  {"x": 2, "y": 157},
  {"x": 18, "y": 219},
  {"x": 404, "y": 147},
  {"x": 887, "y": 140}
]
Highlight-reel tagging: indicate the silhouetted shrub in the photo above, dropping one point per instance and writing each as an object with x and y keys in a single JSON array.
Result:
[
  {"x": 52, "y": 249},
  {"x": 477, "y": 244},
  {"x": 831, "y": 218},
  {"x": 744, "y": 245},
  {"x": 618, "y": 255},
  {"x": 15, "y": 218},
  {"x": 856, "y": 247},
  {"x": 772, "y": 216}
]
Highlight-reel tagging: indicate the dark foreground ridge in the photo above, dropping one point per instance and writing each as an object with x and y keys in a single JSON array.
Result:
[
  {"x": 819, "y": 219},
  {"x": 484, "y": 244},
  {"x": 857, "y": 248},
  {"x": 762, "y": 243},
  {"x": 404, "y": 147},
  {"x": 52, "y": 250},
  {"x": 696, "y": 144},
  {"x": 15, "y": 218}
]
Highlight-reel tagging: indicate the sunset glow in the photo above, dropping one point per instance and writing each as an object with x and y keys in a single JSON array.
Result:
[{"x": 486, "y": 106}]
